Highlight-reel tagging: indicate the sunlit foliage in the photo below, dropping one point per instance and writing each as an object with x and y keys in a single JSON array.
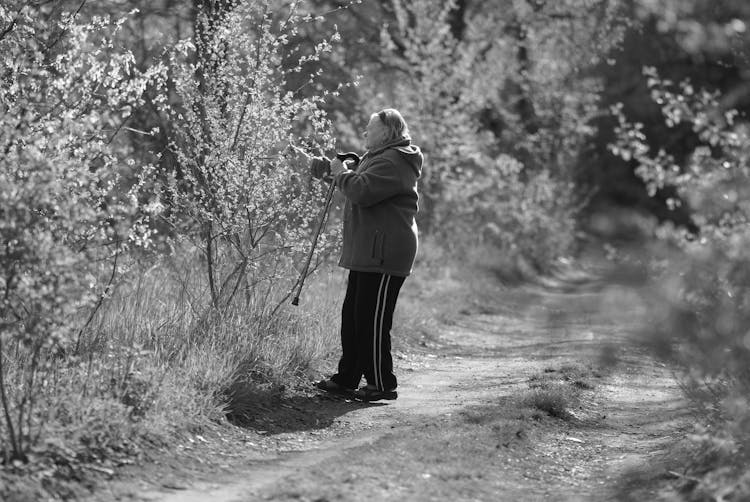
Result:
[
  {"x": 237, "y": 193},
  {"x": 65, "y": 91}
]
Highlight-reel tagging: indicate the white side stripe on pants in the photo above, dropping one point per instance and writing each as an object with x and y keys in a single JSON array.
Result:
[{"x": 377, "y": 341}]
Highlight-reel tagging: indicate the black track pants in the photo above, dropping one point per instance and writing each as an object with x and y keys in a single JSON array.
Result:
[{"x": 366, "y": 319}]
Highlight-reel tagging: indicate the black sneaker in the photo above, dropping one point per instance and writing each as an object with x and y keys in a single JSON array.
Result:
[
  {"x": 333, "y": 388},
  {"x": 368, "y": 394}
]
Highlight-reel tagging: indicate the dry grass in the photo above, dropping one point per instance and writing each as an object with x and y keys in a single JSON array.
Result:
[
  {"x": 154, "y": 365},
  {"x": 219, "y": 358},
  {"x": 554, "y": 399},
  {"x": 557, "y": 391}
]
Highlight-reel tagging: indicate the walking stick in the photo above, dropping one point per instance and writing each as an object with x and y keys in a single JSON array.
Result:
[
  {"x": 326, "y": 207},
  {"x": 324, "y": 214}
]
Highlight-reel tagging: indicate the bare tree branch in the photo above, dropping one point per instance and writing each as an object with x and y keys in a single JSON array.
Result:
[{"x": 65, "y": 30}]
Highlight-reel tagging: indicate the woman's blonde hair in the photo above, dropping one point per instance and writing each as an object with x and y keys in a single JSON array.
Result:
[{"x": 395, "y": 125}]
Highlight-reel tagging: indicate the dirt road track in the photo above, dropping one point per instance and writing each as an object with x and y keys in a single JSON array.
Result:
[{"x": 460, "y": 429}]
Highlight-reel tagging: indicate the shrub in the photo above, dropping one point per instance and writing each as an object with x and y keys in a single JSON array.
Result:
[
  {"x": 77, "y": 212},
  {"x": 528, "y": 215},
  {"x": 64, "y": 214},
  {"x": 236, "y": 194},
  {"x": 701, "y": 297}
]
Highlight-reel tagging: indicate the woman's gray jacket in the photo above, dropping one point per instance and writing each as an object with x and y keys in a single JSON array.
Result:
[{"x": 380, "y": 231}]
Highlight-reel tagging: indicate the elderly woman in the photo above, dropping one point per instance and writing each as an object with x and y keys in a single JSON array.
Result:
[{"x": 380, "y": 243}]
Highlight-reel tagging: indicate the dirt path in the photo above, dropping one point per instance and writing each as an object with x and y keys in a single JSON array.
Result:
[{"x": 463, "y": 428}]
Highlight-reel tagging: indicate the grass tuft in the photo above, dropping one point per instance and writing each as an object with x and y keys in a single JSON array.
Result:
[
  {"x": 555, "y": 391},
  {"x": 553, "y": 399}
]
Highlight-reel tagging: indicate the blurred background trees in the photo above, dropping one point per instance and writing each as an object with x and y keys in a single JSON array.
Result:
[{"x": 706, "y": 42}]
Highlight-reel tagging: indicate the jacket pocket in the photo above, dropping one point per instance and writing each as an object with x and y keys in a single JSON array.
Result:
[{"x": 378, "y": 247}]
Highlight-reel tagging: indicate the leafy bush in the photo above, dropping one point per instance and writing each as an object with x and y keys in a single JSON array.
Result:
[
  {"x": 701, "y": 303},
  {"x": 77, "y": 212},
  {"x": 524, "y": 215},
  {"x": 64, "y": 214},
  {"x": 236, "y": 194}
]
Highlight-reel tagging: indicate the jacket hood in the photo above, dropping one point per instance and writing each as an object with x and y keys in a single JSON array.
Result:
[{"x": 413, "y": 156}]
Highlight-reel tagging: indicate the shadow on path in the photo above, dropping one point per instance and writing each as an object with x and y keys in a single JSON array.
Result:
[{"x": 273, "y": 413}]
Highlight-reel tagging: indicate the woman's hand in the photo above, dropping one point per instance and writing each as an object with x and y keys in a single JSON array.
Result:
[
  {"x": 337, "y": 166},
  {"x": 320, "y": 167}
]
